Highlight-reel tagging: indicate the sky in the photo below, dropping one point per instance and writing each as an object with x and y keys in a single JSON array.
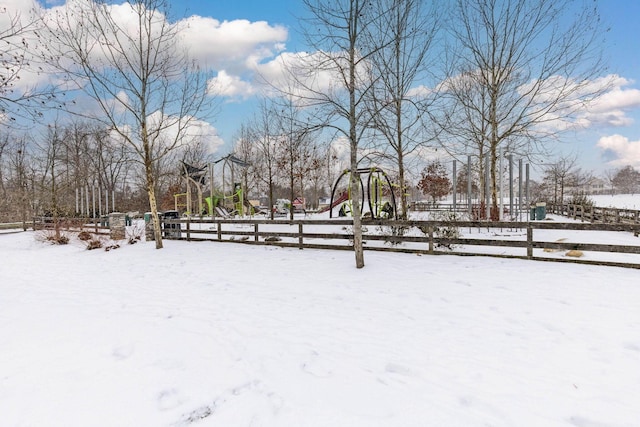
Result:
[
  {"x": 238, "y": 39},
  {"x": 600, "y": 147}
]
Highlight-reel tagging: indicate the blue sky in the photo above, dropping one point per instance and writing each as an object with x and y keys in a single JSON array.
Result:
[
  {"x": 236, "y": 38},
  {"x": 595, "y": 146}
]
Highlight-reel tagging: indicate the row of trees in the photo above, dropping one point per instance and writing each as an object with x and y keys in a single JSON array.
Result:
[{"x": 388, "y": 77}]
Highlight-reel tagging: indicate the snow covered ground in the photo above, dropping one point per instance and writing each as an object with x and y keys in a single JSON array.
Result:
[
  {"x": 620, "y": 201},
  {"x": 211, "y": 334}
]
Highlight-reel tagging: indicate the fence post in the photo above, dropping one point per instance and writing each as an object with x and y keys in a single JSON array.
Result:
[
  {"x": 529, "y": 241},
  {"x": 117, "y": 225},
  {"x": 300, "y": 243},
  {"x": 219, "y": 227},
  {"x": 430, "y": 231},
  {"x": 255, "y": 232},
  {"x": 188, "y": 228}
]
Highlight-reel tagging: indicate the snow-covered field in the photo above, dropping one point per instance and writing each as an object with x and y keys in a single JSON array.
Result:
[
  {"x": 620, "y": 201},
  {"x": 208, "y": 334}
]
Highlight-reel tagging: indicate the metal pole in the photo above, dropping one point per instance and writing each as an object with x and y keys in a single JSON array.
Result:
[
  {"x": 86, "y": 192},
  {"x": 106, "y": 204},
  {"x": 469, "y": 185},
  {"x": 486, "y": 188},
  {"x": 501, "y": 180},
  {"x": 99, "y": 200},
  {"x": 520, "y": 186},
  {"x": 455, "y": 185},
  {"x": 511, "y": 185},
  {"x": 526, "y": 185},
  {"x": 76, "y": 200},
  {"x": 113, "y": 200},
  {"x": 93, "y": 201}
]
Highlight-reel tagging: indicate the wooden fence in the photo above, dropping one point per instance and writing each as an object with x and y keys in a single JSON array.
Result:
[
  {"x": 595, "y": 214},
  {"x": 499, "y": 239},
  {"x": 91, "y": 225}
]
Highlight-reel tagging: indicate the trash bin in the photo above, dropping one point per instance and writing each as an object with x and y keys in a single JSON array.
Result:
[
  {"x": 147, "y": 217},
  {"x": 541, "y": 211},
  {"x": 532, "y": 214},
  {"x": 171, "y": 230},
  {"x": 127, "y": 220},
  {"x": 104, "y": 221}
]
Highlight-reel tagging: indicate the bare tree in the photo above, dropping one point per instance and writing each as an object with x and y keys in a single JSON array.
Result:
[
  {"x": 522, "y": 70},
  {"x": 401, "y": 65},
  {"x": 138, "y": 74},
  {"x": 626, "y": 180},
  {"x": 341, "y": 34},
  {"x": 560, "y": 175},
  {"x": 264, "y": 134},
  {"x": 294, "y": 147},
  {"x": 17, "y": 42}
]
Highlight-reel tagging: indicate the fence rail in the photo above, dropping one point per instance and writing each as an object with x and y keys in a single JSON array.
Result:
[
  {"x": 498, "y": 239},
  {"x": 91, "y": 225},
  {"x": 595, "y": 214}
]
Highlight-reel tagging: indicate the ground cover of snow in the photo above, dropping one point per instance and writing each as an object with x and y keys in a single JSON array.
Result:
[
  {"x": 620, "y": 201},
  {"x": 225, "y": 334}
]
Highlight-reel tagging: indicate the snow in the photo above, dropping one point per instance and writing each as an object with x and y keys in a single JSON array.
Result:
[
  {"x": 620, "y": 201},
  {"x": 225, "y": 334}
]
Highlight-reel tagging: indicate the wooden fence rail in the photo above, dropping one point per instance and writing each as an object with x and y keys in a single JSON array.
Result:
[
  {"x": 596, "y": 214},
  {"x": 501, "y": 239},
  {"x": 92, "y": 225}
]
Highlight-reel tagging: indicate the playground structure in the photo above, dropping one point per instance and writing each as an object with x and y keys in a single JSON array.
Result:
[
  {"x": 234, "y": 204},
  {"x": 194, "y": 177},
  {"x": 378, "y": 208},
  {"x": 217, "y": 203}
]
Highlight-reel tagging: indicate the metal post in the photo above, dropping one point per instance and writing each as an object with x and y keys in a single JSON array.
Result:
[
  {"x": 487, "y": 201},
  {"x": 526, "y": 185},
  {"x": 511, "y": 185},
  {"x": 93, "y": 201},
  {"x": 86, "y": 192},
  {"x": 500, "y": 215},
  {"x": 76, "y": 199},
  {"x": 106, "y": 204},
  {"x": 455, "y": 186},
  {"x": 113, "y": 200},
  {"x": 520, "y": 205},
  {"x": 469, "y": 185}
]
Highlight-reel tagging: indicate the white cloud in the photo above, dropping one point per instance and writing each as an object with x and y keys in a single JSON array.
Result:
[
  {"x": 230, "y": 86},
  {"x": 231, "y": 45},
  {"x": 620, "y": 151}
]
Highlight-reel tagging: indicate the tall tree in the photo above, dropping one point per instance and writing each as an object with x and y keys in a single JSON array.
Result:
[
  {"x": 522, "y": 69},
  {"x": 264, "y": 134},
  {"x": 340, "y": 32},
  {"x": 129, "y": 60},
  {"x": 627, "y": 180},
  {"x": 402, "y": 64}
]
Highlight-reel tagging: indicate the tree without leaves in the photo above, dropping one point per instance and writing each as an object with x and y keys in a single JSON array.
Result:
[
  {"x": 17, "y": 43},
  {"x": 626, "y": 180},
  {"x": 560, "y": 175},
  {"x": 139, "y": 76},
  {"x": 340, "y": 32},
  {"x": 411, "y": 29},
  {"x": 521, "y": 71}
]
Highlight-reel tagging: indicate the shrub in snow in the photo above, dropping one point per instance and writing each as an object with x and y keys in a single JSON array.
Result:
[
  {"x": 84, "y": 236},
  {"x": 54, "y": 237},
  {"x": 94, "y": 244},
  {"x": 134, "y": 233}
]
